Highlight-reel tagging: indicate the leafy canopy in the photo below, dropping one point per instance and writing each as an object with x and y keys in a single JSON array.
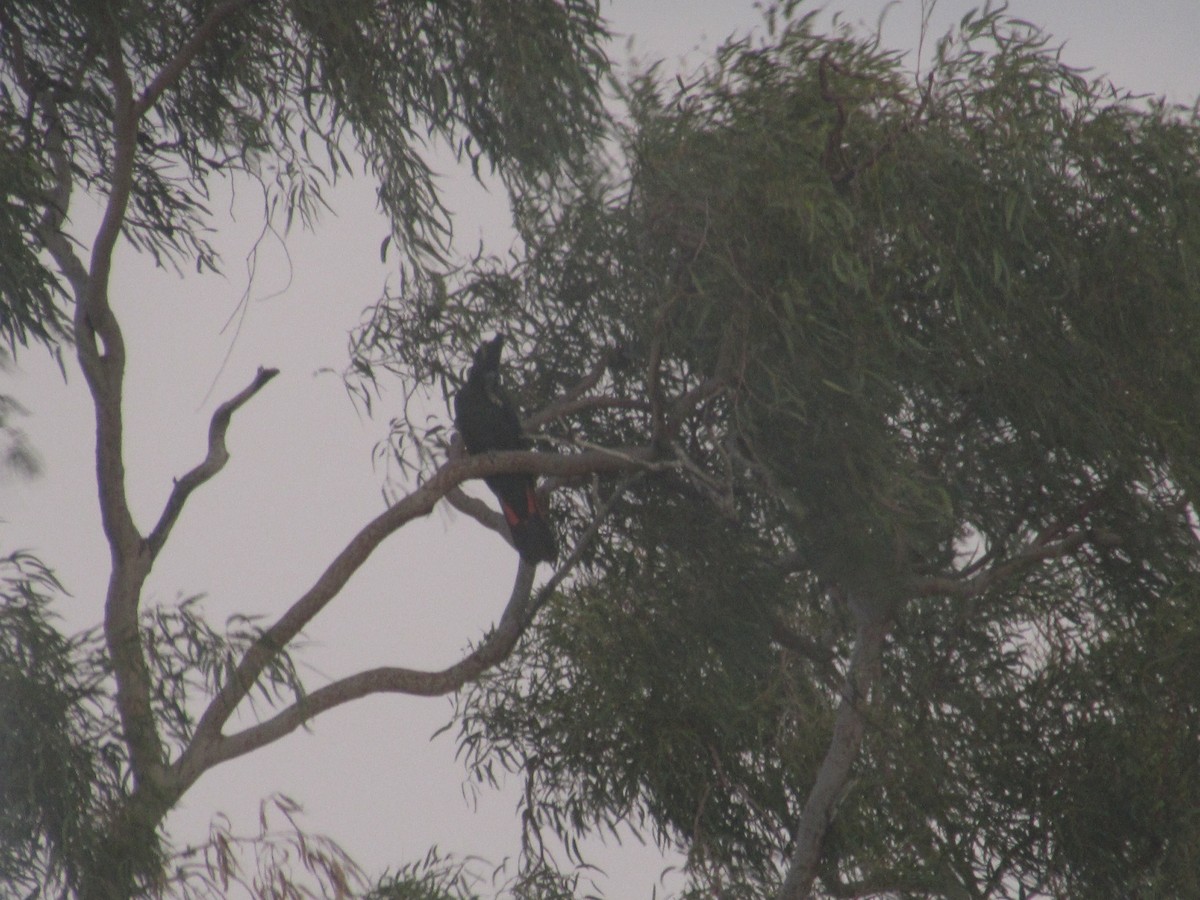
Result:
[
  {"x": 942, "y": 333},
  {"x": 285, "y": 92},
  {"x": 143, "y": 107}
]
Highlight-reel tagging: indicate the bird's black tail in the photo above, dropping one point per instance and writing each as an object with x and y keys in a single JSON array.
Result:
[
  {"x": 530, "y": 531},
  {"x": 535, "y": 540}
]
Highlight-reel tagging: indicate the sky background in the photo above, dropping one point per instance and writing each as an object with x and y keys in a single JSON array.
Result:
[{"x": 301, "y": 482}]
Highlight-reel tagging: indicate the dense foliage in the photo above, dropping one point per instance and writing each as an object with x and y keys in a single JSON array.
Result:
[
  {"x": 57, "y": 760},
  {"x": 920, "y": 350},
  {"x": 884, "y": 569},
  {"x": 285, "y": 92},
  {"x": 142, "y": 109}
]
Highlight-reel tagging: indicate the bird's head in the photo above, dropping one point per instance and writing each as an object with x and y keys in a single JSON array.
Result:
[{"x": 486, "y": 364}]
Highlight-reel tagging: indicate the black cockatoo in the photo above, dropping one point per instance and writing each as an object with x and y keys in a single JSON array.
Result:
[{"x": 487, "y": 420}]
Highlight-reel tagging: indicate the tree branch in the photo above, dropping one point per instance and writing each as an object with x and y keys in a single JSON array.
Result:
[
  {"x": 174, "y": 69},
  {"x": 565, "y": 404},
  {"x": 394, "y": 680},
  {"x": 93, "y": 316},
  {"x": 104, "y": 369},
  {"x": 417, "y": 504},
  {"x": 569, "y": 407},
  {"x": 479, "y": 511},
  {"x": 688, "y": 401},
  {"x": 654, "y": 372},
  {"x": 497, "y": 646},
  {"x": 1030, "y": 555},
  {"x": 821, "y": 657},
  {"x": 833, "y": 776},
  {"x": 217, "y": 456},
  {"x": 49, "y": 227}
]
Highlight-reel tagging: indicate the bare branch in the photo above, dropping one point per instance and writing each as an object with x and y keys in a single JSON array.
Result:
[
  {"x": 494, "y": 649},
  {"x": 479, "y": 511},
  {"x": 104, "y": 369},
  {"x": 217, "y": 456},
  {"x": 563, "y": 408},
  {"x": 417, "y": 504},
  {"x": 174, "y": 69},
  {"x": 1024, "y": 559},
  {"x": 497, "y": 646},
  {"x": 92, "y": 312}
]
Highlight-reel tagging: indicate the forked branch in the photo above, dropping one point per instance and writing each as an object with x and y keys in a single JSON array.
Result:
[
  {"x": 518, "y": 614},
  {"x": 415, "y": 505},
  {"x": 388, "y": 679}
]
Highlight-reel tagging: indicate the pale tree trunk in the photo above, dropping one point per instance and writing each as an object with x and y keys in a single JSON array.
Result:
[{"x": 848, "y": 728}]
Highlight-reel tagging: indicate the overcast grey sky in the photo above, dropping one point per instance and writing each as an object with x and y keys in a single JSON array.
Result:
[{"x": 300, "y": 482}]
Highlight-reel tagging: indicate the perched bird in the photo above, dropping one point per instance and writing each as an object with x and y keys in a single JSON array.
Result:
[{"x": 487, "y": 420}]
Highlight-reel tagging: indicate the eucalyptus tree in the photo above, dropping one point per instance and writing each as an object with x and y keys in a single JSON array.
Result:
[
  {"x": 143, "y": 107},
  {"x": 903, "y": 599}
]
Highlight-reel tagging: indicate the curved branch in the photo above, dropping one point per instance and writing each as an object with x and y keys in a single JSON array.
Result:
[
  {"x": 93, "y": 316},
  {"x": 415, "y": 505},
  {"x": 217, "y": 456},
  {"x": 497, "y": 646},
  {"x": 49, "y": 227},
  {"x": 103, "y": 367},
  {"x": 389, "y": 679}
]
